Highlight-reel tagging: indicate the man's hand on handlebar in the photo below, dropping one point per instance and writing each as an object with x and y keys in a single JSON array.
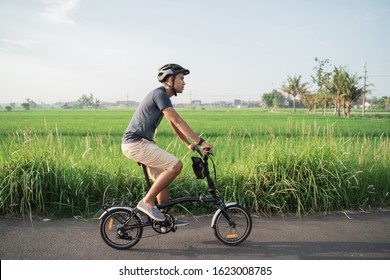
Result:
[
  {"x": 192, "y": 147},
  {"x": 207, "y": 151},
  {"x": 207, "y": 148}
]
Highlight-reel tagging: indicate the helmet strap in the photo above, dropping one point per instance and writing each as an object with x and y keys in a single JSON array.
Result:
[{"x": 173, "y": 86}]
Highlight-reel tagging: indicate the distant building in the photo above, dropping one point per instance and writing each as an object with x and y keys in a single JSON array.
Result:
[
  {"x": 66, "y": 106},
  {"x": 223, "y": 104},
  {"x": 196, "y": 104}
]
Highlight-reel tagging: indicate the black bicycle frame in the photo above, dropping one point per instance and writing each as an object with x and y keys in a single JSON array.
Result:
[{"x": 200, "y": 199}]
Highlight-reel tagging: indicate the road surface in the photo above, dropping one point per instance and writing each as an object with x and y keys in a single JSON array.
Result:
[{"x": 342, "y": 235}]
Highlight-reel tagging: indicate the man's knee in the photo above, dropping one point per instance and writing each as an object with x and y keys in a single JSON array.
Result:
[{"x": 178, "y": 167}]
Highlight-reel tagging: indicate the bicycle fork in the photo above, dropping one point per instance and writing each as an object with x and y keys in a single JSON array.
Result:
[{"x": 222, "y": 208}]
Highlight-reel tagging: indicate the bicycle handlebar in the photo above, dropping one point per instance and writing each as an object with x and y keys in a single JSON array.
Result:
[{"x": 205, "y": 155}]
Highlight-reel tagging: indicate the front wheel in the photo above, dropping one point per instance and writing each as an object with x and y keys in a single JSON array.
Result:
[
  {"x": 121, "y": 228},
  {"x": 233, "y": 225}
]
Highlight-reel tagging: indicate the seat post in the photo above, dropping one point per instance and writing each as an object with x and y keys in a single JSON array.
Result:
[{"x": 144, "y": 168}]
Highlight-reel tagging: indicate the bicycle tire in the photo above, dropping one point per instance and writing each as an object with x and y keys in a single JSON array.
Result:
[
  {"x": 121, "y": 229},
  {"x": 233, "y": 234}
]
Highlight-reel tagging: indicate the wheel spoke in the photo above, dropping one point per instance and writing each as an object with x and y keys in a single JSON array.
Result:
[
  {"x": 237, "y": 233},
  {"x": 121, "y": 229}
]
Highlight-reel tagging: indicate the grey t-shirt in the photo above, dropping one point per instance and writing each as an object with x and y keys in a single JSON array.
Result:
[{"x": 147, "y": 117}]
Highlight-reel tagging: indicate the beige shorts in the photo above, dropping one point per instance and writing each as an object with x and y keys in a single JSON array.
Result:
[{"x": 148, "y": 153}]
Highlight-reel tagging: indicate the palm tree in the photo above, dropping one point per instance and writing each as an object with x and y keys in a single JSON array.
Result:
[
  {"x": 310, "y": 100},
  {"x": 337, "y": 87},
  {"x": 344, "y": 90},
  {"x": 352, "y": 93},
  {"x": 294, "y": 87}
]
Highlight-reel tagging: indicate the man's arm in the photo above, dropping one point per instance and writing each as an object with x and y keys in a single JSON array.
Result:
[
  {"x": 179, "y": 125},
  {"x": 180, "y": 135},
  {"x": 181, "y": 128}
]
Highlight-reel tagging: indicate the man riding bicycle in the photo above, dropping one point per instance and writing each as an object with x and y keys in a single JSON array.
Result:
[{"x": 138, "y": 140}]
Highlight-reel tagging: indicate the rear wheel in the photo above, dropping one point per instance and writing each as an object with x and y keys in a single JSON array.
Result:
[
  {"x": 235, "y": 227},
  {"x": 121, "y": 228}
]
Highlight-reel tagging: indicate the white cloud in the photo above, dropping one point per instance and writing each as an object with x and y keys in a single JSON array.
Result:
[
  {"x": 59, "y": 11},
  {"x": 14, "y": 44}
]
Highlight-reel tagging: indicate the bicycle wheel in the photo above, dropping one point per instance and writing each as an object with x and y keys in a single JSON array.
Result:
[
  {"x": 236, "y": 231},
  {"x": 121, "y": 229}
]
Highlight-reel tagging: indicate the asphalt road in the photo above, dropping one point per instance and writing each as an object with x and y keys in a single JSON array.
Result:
[{"x": 343, "y": 235}]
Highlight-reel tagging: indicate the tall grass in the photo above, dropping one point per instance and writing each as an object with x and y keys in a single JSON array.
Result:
[
  {"x": 294, "y": 166},
  {"x": 49, "y": 176},
  {"x": 308, "y": 174}
]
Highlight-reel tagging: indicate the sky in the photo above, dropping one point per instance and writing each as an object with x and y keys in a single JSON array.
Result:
[{"x": 56, "y": 51}]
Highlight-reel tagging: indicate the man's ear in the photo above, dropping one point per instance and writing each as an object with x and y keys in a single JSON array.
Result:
[{"x": 169, "y": 80}]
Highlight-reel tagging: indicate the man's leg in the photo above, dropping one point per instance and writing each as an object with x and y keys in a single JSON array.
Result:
[
  {"x": 159, "y": 188},
  {"x": 165, "y": 166}
]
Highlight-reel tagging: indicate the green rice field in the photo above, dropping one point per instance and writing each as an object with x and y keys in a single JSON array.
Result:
[{"x": 61, "y": 163}]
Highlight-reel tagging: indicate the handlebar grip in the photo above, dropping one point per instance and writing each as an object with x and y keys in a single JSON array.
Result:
[{"x": 200, "y": 152}]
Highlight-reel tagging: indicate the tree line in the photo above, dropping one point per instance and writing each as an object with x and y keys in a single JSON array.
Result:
[
  {"x": 84, "y": 102},
  {"x": 334, "y": 86}
]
